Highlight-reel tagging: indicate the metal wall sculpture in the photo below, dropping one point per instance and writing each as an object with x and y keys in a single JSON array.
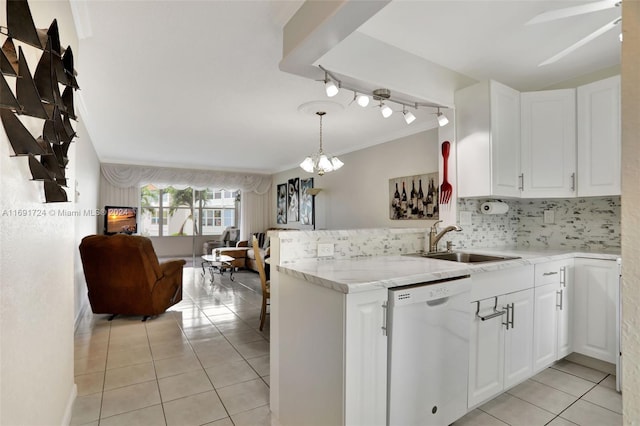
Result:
[{"x": 39, "y": 96}]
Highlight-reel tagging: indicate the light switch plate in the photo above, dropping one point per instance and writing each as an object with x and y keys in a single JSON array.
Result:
[
  {"x": 325, "y": 249},
  {"x": 465, "y": 218},
  {"x": 549, "y": 216}
]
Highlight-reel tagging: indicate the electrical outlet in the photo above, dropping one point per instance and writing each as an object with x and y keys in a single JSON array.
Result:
[
  {"x": 549, "y": 216},
  {"x": 325, "y": 250},
  {"x": 465, "y": 218}
]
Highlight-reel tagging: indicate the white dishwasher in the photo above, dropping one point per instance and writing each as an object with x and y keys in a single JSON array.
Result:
[{"x": 428, "y": 330}]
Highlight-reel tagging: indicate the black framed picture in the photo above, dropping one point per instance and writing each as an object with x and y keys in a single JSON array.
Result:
[
  {"x": 306, "y": 202},
  {"x": 282, "y": 204},
  {"x": 293, "y": 205}
]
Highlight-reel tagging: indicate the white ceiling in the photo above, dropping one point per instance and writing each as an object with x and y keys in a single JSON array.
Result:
[{"x": 197, "y": 84}]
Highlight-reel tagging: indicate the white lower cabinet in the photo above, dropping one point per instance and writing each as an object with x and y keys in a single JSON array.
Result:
[
  {"x": 596, "y": 308},
  {"x": 500, "y": 344},
  {"x": 335, "y": 342},
  {"x": 552, "y": 315},
  {"x": 365, "y": 367}
]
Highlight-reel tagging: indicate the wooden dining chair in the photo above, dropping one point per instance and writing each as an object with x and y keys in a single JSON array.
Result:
[{"x": 266, "y": 293}]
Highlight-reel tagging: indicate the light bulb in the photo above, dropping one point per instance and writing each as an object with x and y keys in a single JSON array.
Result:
[
  {"x": 386, "y": 111},
  {"x": 307, "y": 165},
  {"x": 409, "y": 117},
  {"x": 324, "y": 163},
  {"x": 362, "y": 100},
  {"x": 442, "y": 119},
  {"x": 336, "y": 163},
  {"x": 331, "y": 88}
]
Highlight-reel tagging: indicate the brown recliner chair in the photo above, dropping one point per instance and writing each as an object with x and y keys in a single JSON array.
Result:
[{"x": 124, "y": 276}]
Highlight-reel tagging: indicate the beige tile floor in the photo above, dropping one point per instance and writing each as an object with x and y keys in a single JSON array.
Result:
[
  {"x": 206, "y": 363},
  {"x": 202, "y": 362},
  {"x": 562, "y": 395}
]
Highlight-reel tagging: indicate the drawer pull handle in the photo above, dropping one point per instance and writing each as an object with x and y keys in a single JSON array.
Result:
[{"x": 550, "y": 273}]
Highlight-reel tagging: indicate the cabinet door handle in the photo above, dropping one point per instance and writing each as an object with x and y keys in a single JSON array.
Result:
[
  {"x": 506, "y": 323},
  {"x": 521, "y": 177},
  {"x": 550, "y": 273},
  {"x": 510, "y": 309},
  {"x": 563, "y": 276},
  {"x": 573, "y": 182},
  {"x": 384, "y": 319},
  {"x": 513, "y": 315},
  {"x": 561, "y": 294}
]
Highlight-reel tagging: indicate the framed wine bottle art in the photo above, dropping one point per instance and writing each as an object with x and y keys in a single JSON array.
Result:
[{"x": 414, "y": 197}]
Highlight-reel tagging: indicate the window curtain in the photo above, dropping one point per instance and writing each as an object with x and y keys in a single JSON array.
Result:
[
  {"x": 126, "y": 176},
  {"x": 254, "y": 213},
  {"x": 111, "y": 195}
]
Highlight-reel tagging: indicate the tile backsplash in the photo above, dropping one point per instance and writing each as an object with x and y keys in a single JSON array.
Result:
[
  {"x": 350, "y": 244},
  {"x": 495, "y": 230},
  {"x": 579, "y": 223},
  {"x": 584, "y": 223}
]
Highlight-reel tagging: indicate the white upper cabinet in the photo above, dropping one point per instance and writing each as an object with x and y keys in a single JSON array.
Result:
[
  {"x": 488, "y": 142},
  {"x": 599, "y": 145},
  {"x": 548, "y": 143}
]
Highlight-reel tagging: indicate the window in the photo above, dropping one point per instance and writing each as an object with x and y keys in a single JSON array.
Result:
[
  {"x": 173, "y": 212},
  {"x": 207, "y": 218}
]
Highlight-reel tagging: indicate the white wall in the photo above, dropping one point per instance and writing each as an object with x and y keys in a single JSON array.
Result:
[
  {"x": 87, "y": 167},
  {"x": 38, "y": 243},
  {"x": 184, "y": 246},
  {"x": 357, "y": 195}
]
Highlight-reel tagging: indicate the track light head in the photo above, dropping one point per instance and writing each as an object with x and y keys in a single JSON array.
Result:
[
  {"x": 330, "y": 87},
  {"x": 362, "y": 100},
  {"x": 385, "y": 110},
  {"x": 442, "y": 119},
  {"x": 408, "y": 116}
]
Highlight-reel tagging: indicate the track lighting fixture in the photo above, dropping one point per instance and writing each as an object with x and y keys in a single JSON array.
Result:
[
  {"x": 408, "y": 115},
  {"x": 442, "y": 119},
  {"x": 363, "y": 97},
  {"x": 319, "y": 162}
]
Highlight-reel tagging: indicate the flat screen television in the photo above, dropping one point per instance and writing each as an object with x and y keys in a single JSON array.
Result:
[{"x": 119, "y": 220}]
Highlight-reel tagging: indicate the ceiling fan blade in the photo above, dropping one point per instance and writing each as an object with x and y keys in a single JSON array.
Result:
[
  {"x": 566, "y": 12},
  {"x": 597, "y": 33}
]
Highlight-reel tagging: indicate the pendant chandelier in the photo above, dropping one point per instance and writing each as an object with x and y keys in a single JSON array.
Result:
[{"x": 319, "y": 162}]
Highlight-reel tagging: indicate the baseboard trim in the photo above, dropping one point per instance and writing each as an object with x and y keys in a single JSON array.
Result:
[
  {"x": 590, "y": 362},
  {"x": 81, "y": 313},
  {"x": 66, "y": 420}
]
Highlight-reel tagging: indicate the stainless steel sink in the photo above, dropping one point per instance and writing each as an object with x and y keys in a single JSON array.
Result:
[{"x": 467, "y": 257}]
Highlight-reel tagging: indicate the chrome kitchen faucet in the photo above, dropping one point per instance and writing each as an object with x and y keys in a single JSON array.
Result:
[{"x": 434, "y": 236}]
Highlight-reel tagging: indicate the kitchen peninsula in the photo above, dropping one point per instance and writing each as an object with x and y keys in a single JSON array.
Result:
[{"x": 329, "y": 316}]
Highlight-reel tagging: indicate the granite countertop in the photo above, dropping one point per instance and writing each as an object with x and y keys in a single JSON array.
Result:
[{"x": 371, "y": 273}]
